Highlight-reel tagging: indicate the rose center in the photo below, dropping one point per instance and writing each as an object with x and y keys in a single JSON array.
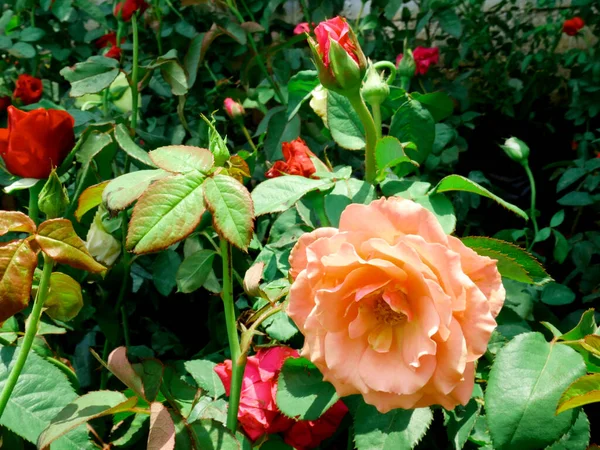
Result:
[{"x": 385, "y": 314}]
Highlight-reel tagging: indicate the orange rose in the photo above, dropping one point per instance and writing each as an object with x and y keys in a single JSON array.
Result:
[{"x": 392, "y": 308}]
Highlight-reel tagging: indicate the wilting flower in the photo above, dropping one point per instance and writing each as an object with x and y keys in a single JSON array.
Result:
[
  {"x": 4, "y": 103},
  {"x": 234, "y": 109},
  {"x": 572, "y": 26},
  {"x": 36, "y": 141},
  {"x": 102, "y": 245},
  {"x": 127, "y": 8},
  {"x": 340, "y": 61},
  {"x": 302, "y": 28},
  {"x": 110, "y": 40},
  {"x": 318, "y": 103},
  {"x": 393, "y": 308},
  {"x": 424, "y": 57},
  {"x": 28, "y": 89},
  {"x": 258, "y": 413},
  {"x": 297, "y": 160}
]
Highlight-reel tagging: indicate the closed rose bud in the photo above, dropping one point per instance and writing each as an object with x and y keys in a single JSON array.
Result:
[
  {"x": 110, "y": 40},
  {"x": 28, "y": 89},
  {"x": 302, "y": 28},
  {"x": 100, "y": 243},
  {"x": 572, "y": 26},
  {"x": 234, "y": 109},
  {"x": 517, "y": 150},
  {"x": 36, "y": 141},
  {"x": 340, "y": 61},
  {"x": 375, "y": 88},
  {"x": 127, "y": 8}
]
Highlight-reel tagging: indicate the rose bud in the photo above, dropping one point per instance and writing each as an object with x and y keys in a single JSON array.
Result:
[
  {"x": 340, "y": 61},
  {"x": 234, "y": 109},
  {"x": 517, "y": 150},
  {"x": 28, "y": 89},
  {"x": 127, "y": 8},
  {"x": 375, "y": 88},
  {"x": 36, "y": 141},
  {"x": 100, "y": 243},
  {"x": 572, "y": 26}
]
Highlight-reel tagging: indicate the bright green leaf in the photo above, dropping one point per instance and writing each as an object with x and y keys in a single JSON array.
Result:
[
  {"x": 413, "y": 123},
  {"x": 581, "y": 392},
  {"x": 578, "y": 436},
  {"x": 131, "y": 148},
  {"x": 281, "y": 193},
  {"x": 194, "y": 271},
  {"x": 345, "y": 126},
  {"x": 123, "y": 191},
  {"x": 64, "y": 299},
  {"x": 182, "y": 158},
  {"x": 299, "y": 89},
  {"x": 203, "y": 372},
  {"x": 91, "y": 76}
]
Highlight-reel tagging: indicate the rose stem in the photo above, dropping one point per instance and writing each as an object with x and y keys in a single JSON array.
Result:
[
  {"x": 248, "y": 137},
  {"x": 158, "y": 13},
  {"x": 32, "y": 328},
  {"x": 371, "y": 133},
  {"x": 533, "y": 195},
  {"x": 134, "y": 73},
  {"x": 238, "y": 361}
]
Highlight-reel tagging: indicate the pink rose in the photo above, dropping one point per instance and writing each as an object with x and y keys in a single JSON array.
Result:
[
  {"x": 338, "y": 30},
  {"x": 307, "y": 434},
  {"x": 234, "y": 109},
  {"x": 302, "y": 28},
  {"x": 392, "y": 308},
  {"x": 424, "y": 57}
]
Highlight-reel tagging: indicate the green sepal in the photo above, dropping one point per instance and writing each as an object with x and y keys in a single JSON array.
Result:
[{"x": 53, "y": 200}]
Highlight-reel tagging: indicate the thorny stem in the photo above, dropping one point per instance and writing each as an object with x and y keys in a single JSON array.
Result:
[
  {"x": 533, "y": 197},
  {"x": 30, "y": 333},
  {"x": 370, "y": 131}
]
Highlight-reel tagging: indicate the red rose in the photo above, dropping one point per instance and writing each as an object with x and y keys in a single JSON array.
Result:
[
  {"x": 424, "y": 57},
  {"x": 338, "y": 30},
  {"x": 234, "y": 109},
  {"x": 4, "y": 103},
  {"x": 307, "y": 434},
  {"x": 127, "y": 8},
  {"x": 297, "y": 160},
  {"x": 28, "y": 89},
  {"x": 258, "y": 414},
  {"x": 572, "y": 26},
  {"x": 114, "y": 52},
  {"x": 110, "y": 40},
  {"x": 36, "y": 141}
]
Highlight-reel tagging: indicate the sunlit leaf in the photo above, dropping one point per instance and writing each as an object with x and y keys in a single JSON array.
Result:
[{"x": 17, "y": 264}]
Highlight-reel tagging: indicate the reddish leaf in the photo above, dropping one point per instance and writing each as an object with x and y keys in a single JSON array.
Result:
[
  {"x": 120, "y": 366},
  {"x": 58, "y": 239},
  {"x": 17, "y": 264},
  {"x": 162, "y": 428},
  {"x": 15, "y": 221}
]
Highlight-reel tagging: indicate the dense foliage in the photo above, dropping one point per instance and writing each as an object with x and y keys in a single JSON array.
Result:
[{"x": 246, "y": 224}]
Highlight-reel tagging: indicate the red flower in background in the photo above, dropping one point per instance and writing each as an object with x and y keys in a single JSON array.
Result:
[
  {"x": 424, "y": 57},
  {"x": 4, "y": 103},
  {"x": 297, "y": 160},
  {"x": 572, "y": 26},
  {"x": 28, "y": 89},
  {"x": 258, "y": 413},
  {"x": 302, "y": 28},
  {"x": 128, "y": 7},
  {"x": 338, "y": 30},
  {"x": 234, "y": 109},
  {"x": 110, "y": 40},
  {"x": 36, "y": 141}
]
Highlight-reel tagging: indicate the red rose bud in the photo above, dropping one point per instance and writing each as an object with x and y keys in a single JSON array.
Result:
[
  {"x": 572, "y": 26},
  {"x": 127, "y": 8},
  {"x": 36, "y": 141},
  {"x": 234, "y": 109},
  {"x": 340, "y": 61},
  {"x": 114, "y": 52},
  {"x": 110, "y": 40},
  {"x": 302, "y": 28},
  {"x": 28, "y": 89},
  {"x": 297, "y": 161}
]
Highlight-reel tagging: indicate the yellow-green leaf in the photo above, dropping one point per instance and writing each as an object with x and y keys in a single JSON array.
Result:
[
  {"x": 64, "y": 300},
  {"x": 17, "y": 264},
  {"x": 58, "y": 239},
  {"x": 182, "y": 158},
  {"x": 582, "y": 391},
  {"x": 15, "y": 221},
  {"x": 89, "y": 199}
]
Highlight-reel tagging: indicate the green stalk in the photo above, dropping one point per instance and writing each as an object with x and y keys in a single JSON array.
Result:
[
  {"x": 238, "y": 361},
  {"x": 376, "y": 107},
  {"x": 30, "y": 333},
  {"x": 533, "y": 197},
  {"x": 370, "y": 131},
  {"x": 248, "y": 137},
  {"x": 34, "y": 193},
  {"x": 134, "y": 73},
  {"x": 159, "y": 32}
]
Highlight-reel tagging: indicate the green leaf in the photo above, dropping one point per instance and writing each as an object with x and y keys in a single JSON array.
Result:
[
  {"x": 40, "y": 394},
  {"x": 167, "y": 212},
  {"x": 442, "y": 208},
  {"x": 131, "y": 148},
  {"x": 439, "y": 104},
  {"x": 203, "y": 373},
  {"x": 582, "y": 391},
  {"x": 280, "y": 327},
  {"x": 569, "y": 177},
  {"x": 301, "y": 392},
  {"x": 557, "y": 218},
  {"x": 211, "y": 435},
  {"x": 91, "y": 76},
  {"x": 561, "y": 247},
  {"x": 557, "y": 294},
  {"x": 182, "y": 158},
  {"x": 460, "y": 422},
  {"x": 17, "y": 265},
  {"x": 449, "y": 22},
  {"x": 460, "y": 183},
  {"x": 191, "y": 61},
  {"x": 413, "y": 123},
  {"x": 524, "y": 386},
  {"x": 345, "y": 126},
  {"x": 281, "y": 193},
  {"x": 300, "y": 88},
  {"x": 576, "y": 199},
  {"x": 57, "y": 238},
  {"x": 94, "y": 143},
  {"x": 22, "y": 50},
  {"x": 83, "y": 409},
  {"x": 172, "y": 72},
  {"x": 32, "y": 34},
  {"x": 280, "y": 130},
  {"x": 586, "y": 325},
  {"x": 513, "y": 262},
  {"x": 389, "y": 153},
  {"x": 577, "y": 438},
  {"x": 194, "y": 271},
  {"x": 123, "y": 191},
  {"x": 231, "y": 206},
  {"x": 397, "y": 429},
  {"x": 164, "y": 271},
  {"x": 64, "y": 299},
  {"x": 93, "y": 10},
  {"x": 89, "y": 199}
]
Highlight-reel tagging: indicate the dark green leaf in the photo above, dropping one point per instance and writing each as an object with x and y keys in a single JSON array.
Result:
[
  {"x": 91, "y": 76},
  {"x": 194, "y": 271},
  {"x": 413, "y": 123}
]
